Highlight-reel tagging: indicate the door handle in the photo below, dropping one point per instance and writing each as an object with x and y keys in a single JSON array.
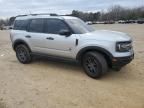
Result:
[
  {"x": 50, "y": 38},
  {"x": 28, "y": 36}
]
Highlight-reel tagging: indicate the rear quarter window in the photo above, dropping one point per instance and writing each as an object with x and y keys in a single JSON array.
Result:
[{"x": 21, "y": 24}]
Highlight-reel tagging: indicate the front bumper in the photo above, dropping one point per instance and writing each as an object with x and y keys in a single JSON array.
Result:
[{"x": 122, "y": 61}]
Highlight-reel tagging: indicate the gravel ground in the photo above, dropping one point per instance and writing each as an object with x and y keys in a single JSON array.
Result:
[{"x": 48, "y": 83}]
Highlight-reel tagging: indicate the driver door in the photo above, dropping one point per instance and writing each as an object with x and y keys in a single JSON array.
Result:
[{"x": 56, "y": 44}]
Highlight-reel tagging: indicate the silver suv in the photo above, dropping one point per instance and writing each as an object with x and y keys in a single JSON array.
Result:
[{"x": 69, "y": 37}]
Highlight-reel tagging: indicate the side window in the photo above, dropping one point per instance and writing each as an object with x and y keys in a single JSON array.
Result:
[
  {"x": 36, "y": 25},
  {"x": 20, "y": 24},
  {"x": 54, "y": 26}
]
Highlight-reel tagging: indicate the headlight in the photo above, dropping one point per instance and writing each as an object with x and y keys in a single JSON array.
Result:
[{"x": 123, "y": 46}]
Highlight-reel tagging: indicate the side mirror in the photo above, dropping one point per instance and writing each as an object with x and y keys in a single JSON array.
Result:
[{"x": 65, "y": 33}]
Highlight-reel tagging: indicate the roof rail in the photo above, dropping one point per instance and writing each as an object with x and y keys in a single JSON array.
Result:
[
  {"x": 51, "y": 14},
  {"x": 21, "y": 15}
]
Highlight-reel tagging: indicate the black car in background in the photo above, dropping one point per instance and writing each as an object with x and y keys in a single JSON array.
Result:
[{"x": 140, "y": 21}]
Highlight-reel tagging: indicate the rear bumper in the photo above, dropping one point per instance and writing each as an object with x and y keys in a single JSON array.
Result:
[{"x": 122, "y": 61}]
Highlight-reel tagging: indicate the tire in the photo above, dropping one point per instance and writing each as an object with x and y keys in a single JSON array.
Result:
[
  {"x": 23, "y": 54},
  {"x": 94, "y": 64}
]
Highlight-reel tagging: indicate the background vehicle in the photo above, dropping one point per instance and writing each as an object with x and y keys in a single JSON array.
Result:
[
  {"x": 69, "y": 37},
  {"x": 140, "y": 21}
]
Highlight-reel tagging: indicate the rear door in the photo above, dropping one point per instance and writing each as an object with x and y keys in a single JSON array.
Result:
[{"x": 36, "y": 35}]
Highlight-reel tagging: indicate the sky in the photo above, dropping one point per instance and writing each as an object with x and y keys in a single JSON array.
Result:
[{"x": 16, "y": 7}]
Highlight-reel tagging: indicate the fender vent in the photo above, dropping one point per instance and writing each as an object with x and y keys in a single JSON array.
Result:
[{"x": 76, "y": 42}]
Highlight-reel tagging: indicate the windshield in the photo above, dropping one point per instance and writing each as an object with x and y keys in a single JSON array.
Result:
[{"x": 78, "y": 26}]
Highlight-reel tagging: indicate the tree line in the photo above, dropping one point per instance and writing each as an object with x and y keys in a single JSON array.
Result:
[
  {"x": 4, "y": 22},
  {"x": 114, "y": 13}
]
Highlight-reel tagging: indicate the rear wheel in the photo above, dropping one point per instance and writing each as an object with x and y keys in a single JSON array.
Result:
[
  {"x": 23, "y": 54},
  {"x": 94, "y": 64}
]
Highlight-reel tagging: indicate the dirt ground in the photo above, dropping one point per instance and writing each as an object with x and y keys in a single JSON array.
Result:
[{"x": 60, "y": 84}]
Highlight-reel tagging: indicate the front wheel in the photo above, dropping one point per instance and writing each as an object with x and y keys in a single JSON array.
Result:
[
  {"x": 23, "y": 54},
  {"x": 94, "y": 64}
]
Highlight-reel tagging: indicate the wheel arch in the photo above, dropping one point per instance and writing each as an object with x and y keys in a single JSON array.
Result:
[
  {"x": 18, "y": 42},
  {"x": 108, "y": 56}
]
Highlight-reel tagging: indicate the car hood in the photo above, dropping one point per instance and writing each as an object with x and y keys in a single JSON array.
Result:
[{"x": 107, "y": 35}]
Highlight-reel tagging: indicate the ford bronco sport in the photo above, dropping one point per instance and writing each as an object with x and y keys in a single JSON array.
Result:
[{"x": 69, "y": 37}]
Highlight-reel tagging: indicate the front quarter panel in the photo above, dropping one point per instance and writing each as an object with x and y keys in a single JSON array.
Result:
[{"x": 107, "y": 45}]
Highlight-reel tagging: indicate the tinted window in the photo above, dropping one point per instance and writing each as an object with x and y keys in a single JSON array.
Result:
[
  {"x": 54, "y": 26},
  {"x": 20, "y": 24},
  {"x": 36, "y": 25}
]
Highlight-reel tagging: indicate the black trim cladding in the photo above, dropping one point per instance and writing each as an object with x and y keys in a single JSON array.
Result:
[
  {"x": 89, "y": 48},
  {"x": 122, "y": 61},
  {"x": 20, "y": 41}
]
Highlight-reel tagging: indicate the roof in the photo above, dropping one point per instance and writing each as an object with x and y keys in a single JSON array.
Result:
[{"x": 31, "y": 16}]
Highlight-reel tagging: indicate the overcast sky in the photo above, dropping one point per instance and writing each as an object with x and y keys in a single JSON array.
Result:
[{"x": 16, "y": 7}]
